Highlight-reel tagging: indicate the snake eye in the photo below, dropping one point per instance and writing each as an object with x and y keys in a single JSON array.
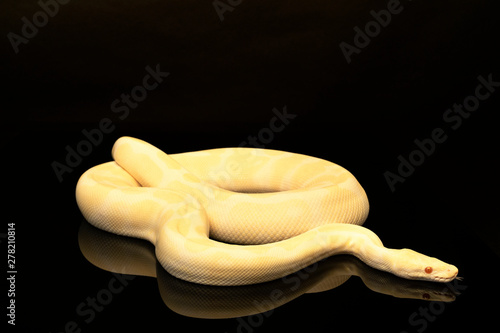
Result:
[{"x": 428, "y": 269}]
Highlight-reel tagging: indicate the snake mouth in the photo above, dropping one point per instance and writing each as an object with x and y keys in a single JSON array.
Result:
[
  {"x": 448, "y": 278},
  {"x": 443, "y": 278},
  {"x": 434, "y": 278}
]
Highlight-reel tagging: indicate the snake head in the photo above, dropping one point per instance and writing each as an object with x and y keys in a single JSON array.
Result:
[{"x": 417, "y": 266}]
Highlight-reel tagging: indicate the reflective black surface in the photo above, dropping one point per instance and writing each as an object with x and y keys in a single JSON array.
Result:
[
  {"x": 391, "y": 116},
  {"x": 57, "y": 285}
]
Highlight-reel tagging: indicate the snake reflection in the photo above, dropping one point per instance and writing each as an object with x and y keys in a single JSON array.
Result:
[{"x": 132, "y": 256}]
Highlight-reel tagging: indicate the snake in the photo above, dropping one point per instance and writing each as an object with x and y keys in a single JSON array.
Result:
[
  {"x": 240, "y": 215},
  {"x": 136, "y": 257}
]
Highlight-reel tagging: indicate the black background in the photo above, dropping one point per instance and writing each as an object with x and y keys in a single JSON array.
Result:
[{"x": 225, "y": 79}]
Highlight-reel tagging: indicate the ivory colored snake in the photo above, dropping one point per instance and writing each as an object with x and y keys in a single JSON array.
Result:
[
  {"x": 237, "y": 216},
  {"x": 136, "y": 257}
]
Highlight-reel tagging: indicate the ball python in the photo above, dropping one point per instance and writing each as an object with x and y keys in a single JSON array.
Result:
[
  {"x": 136, "y": 257},
  {"x": 239, "y": 216}
]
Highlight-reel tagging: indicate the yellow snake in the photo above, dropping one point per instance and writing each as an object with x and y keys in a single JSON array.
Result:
[
  {"x": 136, "y": 257},
  {"x": 237, "y": 216}
]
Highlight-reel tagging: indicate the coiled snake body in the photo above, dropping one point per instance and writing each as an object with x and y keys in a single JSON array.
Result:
[{"x": 236, "y": 216}]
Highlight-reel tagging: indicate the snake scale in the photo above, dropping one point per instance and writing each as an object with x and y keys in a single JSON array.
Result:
[{"x": 239, "y": 216}]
